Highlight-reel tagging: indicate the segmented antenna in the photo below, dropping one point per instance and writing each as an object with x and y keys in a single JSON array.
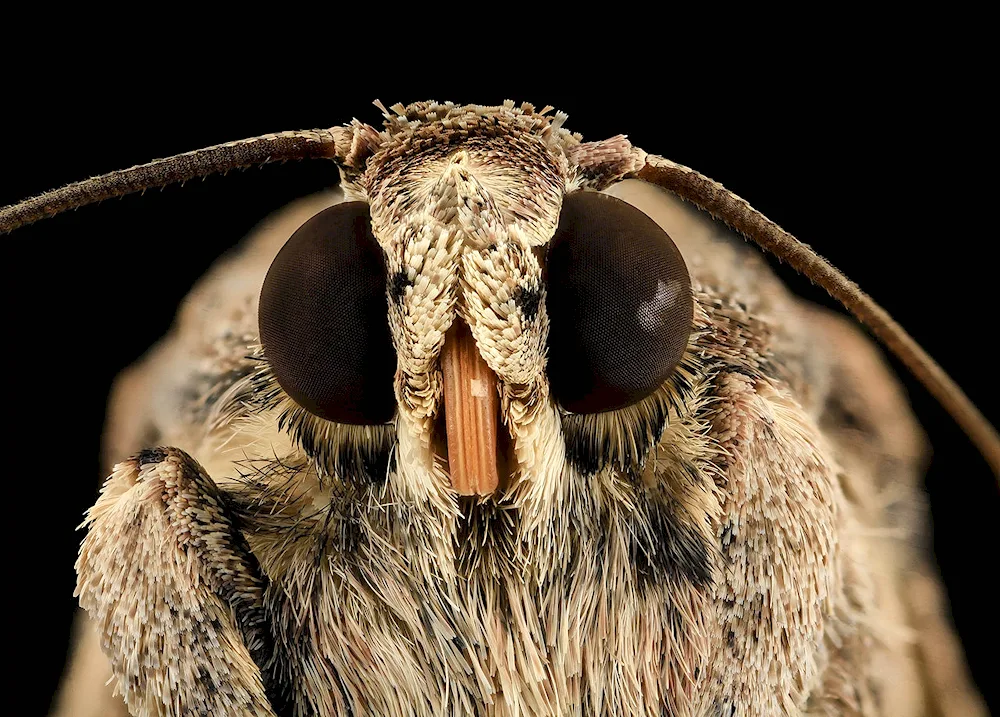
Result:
[
  {"x": 722, "y": 204},
  {"x": 682, "y": 181},
  {"x": 244, "y": 153}
]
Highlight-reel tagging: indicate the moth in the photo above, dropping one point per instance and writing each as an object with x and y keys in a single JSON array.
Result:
[{"x": 503, "y": 428}]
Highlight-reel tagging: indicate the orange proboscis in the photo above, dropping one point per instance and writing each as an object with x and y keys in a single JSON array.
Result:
[{"x": 471, "y": 410}]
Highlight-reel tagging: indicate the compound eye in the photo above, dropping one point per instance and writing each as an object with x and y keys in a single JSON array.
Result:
[
  {"x": 324, "y": 321},
  {"x": 618, "y": 297}
]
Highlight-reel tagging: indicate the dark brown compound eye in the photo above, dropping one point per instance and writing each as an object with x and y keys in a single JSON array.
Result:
[
  {"x": 618, "y": 296},
  {"x": 323, "y": 319}
]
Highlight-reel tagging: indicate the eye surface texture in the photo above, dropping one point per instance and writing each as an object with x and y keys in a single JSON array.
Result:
[
  {"x": 323, "y": 319},
  {"x": 618, "y": 296}
]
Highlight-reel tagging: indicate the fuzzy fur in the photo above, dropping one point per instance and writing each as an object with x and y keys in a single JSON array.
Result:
[{"x": 733, "y": 545}]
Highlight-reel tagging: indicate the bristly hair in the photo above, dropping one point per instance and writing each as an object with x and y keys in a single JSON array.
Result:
[
  {"x": 264, "y": 487},
  {"x": 622, "y": 439},
  {"x": 280, "y": 497},
  {"x": 364, "y": 454},
  {"x": 486, "y": 533}
]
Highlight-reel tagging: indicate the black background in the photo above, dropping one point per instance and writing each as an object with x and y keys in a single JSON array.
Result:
[{"x": 857, "y": 148}]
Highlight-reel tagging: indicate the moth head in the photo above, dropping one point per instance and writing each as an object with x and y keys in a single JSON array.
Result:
[
  {"x": 416, "y": 145},
  {"x": 478, "y": 296}
]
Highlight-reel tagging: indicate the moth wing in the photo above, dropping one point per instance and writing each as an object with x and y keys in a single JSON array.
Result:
[{"x": 883, "y": 453}]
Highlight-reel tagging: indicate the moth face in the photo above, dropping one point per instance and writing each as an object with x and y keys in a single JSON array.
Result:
[
  {"x": 478, "y": 317},
  {"x": 660, "y": 525},
  {"x": 488, "y": 280},
  {"x": 473, "y": 309}
]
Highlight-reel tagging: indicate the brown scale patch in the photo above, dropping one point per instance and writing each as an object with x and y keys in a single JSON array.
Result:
[
  {"x": 509, "y": 150},
  {"x": 781, "y": 578}
]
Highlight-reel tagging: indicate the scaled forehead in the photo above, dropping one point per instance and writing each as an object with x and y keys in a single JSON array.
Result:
[{"x": 517, "y": 155}]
